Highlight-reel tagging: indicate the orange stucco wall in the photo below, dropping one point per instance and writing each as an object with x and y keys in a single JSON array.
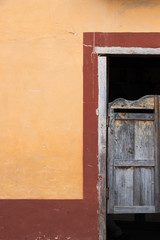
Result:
[{"x": 41, "y": 90}]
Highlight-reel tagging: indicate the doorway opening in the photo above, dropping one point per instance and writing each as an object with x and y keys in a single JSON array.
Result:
[{"x": 132, "y": 78}]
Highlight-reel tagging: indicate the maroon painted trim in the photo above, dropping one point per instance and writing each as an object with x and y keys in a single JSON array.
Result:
[
  {"x": 72, "y": 219},
  {"x": 145, "y": 40},
  {"x": 57, "y": 220}
]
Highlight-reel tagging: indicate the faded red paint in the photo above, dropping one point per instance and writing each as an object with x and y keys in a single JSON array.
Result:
[
  {"x": 28, "y": 219},
  {"x": 72, "y": 219},
  {"x": 144, "y": 40}
]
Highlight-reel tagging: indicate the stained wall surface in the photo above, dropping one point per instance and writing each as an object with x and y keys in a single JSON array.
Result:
[{"x": 41, "y": 99}]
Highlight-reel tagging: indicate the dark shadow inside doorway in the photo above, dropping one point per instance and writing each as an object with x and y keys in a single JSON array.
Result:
[{"x": 133, "y": 77}]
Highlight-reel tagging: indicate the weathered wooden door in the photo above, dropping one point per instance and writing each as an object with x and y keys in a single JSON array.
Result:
[{"x": 133, "y": 156}]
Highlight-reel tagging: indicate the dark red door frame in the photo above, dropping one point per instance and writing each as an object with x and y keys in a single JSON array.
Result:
[{"x": 90, "y": 98}]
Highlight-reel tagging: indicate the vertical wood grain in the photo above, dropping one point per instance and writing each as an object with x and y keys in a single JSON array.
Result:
[
  {"x": 124, "y": 139},
  {"x": 110, "y": 163},
  {"x": 144, "y": 186},
  {"x": 124, "y": 186},
  {"x": 102, "y": 112},
  {"x": 144, "y": 140},
  {"x": 157, "y": 155}
]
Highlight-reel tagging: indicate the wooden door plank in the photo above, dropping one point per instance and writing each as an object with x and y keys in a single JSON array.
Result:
[
  {"x": 134, "y": 209},
  {"x": 157, "y": 154},
  {"x": 124, "y": 139},
  {"x": 143, "y": 186},
  {"x": 146, "y": 102},
  {"x": 144, "y": 140},
  {"x": 134, "y": 116},
  {"x": 124, "y": 186},
  {"x": 110, "y": 163},
  {"x": 146, "y": 186},
  {"x": 134, "y": 163}
]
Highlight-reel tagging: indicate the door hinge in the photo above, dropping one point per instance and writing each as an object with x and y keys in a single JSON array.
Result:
[
  {"x": 107, "y": 193},
  {"x": 107, "y": 121}
]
